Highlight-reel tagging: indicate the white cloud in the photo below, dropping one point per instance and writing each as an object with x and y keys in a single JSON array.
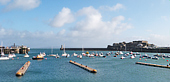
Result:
[
  {"x": 93, "y": 26},
  {"x": 65, "y": 16},
  {"x": 4, "y": 2},
  {"x": 113, "y": 8},
  {"x": 22, "y": 4}
]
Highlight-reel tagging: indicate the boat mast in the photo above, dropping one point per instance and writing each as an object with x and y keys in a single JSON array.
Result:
[
  {"x": 125, "y": 48},
  {"x": 51, "y": 50},
  {"x": 82, "y": 49},
  {"x": 64, "y": 48},
  {"x": 1, "y": 47}
]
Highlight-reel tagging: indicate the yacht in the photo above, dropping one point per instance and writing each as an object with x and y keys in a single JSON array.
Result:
[
  {"x": 74, "y": 54},
  {"x": 4, "y": 58},
  {"x": 122, "y": 57},
  {"x": 26, "y": 55},
  {"x": 155, "y": 58},
  {"x": 132, "y": 56}
]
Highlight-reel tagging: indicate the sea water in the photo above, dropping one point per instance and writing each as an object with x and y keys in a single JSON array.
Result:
[{"x": 109, "y": 69}]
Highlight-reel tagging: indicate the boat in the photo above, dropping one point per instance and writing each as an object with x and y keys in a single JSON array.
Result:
[
  {"x": 74, "y": 54},
  {"x": 91, "y": 55},
  {"x": 14, "y": 55},
  {"x": 43, "y": 54},
  {"x": 4, "y": 58},
  {"x": 80, "y": 56},
  {"x": 115, "y": 56},
  {"x": 64, "y": 53},
  {"x": 2, "y": 53},
  {"x": 57, "y": 56},
  {"x": 67, "y": 55},
  {"x": 137, "y": 53},
  {"x": 155, "y": 58},
  {"x": 11, "y": 55},
  {"x": 84, "y": 54},
  {"x": 96, "y": 54},
  {"x": 117, "y": 53},
  {"x": 120, "y": 52},
  {"x": 122, "y": 57},
  {"x": 52, "y": 53},
  {"x": 108, "y": 54},
  {"x": 132, "y": 56},
  {"x": 101, "y": 55},
  {"x": 38, "y": 57},
  {"x": 145, "y": 55},
  {"x": 26, "y": 55},
  {"x": 149, "y": 57},
  {"x": 131, "y": 52}
]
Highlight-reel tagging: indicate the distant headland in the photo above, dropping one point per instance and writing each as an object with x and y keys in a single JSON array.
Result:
[{"x": 135, "y": 46}]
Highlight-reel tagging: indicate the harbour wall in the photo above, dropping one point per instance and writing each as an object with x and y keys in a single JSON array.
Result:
[{"x": 16, "y": 50}]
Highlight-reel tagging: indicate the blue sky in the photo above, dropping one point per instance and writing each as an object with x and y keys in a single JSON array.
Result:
[{"x": 91, "y": 23}]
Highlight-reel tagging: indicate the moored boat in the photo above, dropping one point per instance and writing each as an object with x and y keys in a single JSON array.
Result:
[
  {"x": 4, "y": 58},
  {"x": 38, "y": 57},
  {"x": 26, "y": 55},
  {"x": 155, "y": 58},
  {"x": 122, "y": 57}
]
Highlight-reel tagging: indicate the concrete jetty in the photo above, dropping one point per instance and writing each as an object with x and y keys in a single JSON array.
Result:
[
  {"x": 84, "y": 67},
  {"x": 23, "y": 69},
  {"x": 155, "y": 65}
]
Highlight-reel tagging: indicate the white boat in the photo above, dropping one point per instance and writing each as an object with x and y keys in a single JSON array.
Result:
[
  {"x": 131, "y": 52},
  {"x": 67, "y": 55},
  {"x": 101, "y": 55},
  {"x": 52, "y": 53},
  {"x": 137, "y": 53},
  {"x": 155, "y": 58},
  {"x": 10, "y": 56},
  {"x": 80, "y": 56},
  {"x": 42, "y": 54},
  {"x": 26, "y": 55},
  {"x": 74, "y": 54},
  {"x": 14, "y": 55},
  {"x": 132, "y": 56},
  {"x": 91, "y": 55},
  {"x": 57, "y": 56},
  {"x": 2, "y": 53},
  {"x": 120, "y": 52},
  {"x": 122, "y": 57},
  {"x": 64, "y": 53},
  {"x": 108, "y": 54},
  {"x": 84, "y": 54},
  {"x": 87, "y": 55},
  {"x": 4, "y": 58}
]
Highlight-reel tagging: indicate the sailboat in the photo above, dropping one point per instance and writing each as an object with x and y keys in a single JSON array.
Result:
[
  {"x": 122, "y": 57},
  {"x": 52, "y": 53},
  {"x": 26, "y": 55},
  {"x": 83, "y": 52},
  {"x": 2, "y": 53},
  {"x": 65, "y": 54},
  {"x": 3, "y": 57}
]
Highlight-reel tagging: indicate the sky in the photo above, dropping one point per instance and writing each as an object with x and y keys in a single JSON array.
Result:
[{"x": 87, "y": 23}]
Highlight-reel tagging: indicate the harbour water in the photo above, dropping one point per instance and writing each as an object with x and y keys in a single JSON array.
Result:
[{"x": 109, "y": 69}]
